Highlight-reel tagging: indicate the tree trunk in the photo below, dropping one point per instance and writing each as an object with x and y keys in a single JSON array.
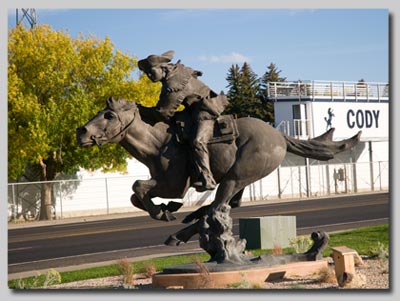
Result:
[
  {"x": 48, "y": 173},
  {"x": 46, "y": 202}
]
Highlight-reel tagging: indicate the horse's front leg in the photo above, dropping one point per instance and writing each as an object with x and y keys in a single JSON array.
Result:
[
  {"x": 142, "y": 200},
  {"x": 144, "y": 191}
]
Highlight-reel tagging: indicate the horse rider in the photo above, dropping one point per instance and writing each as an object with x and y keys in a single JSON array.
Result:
[{"x": 181, "y": 86}]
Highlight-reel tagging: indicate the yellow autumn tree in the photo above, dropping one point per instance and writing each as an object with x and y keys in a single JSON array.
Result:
[{"x": 55, "y": 84}]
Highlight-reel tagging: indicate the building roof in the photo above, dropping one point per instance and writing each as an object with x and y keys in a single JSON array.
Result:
[{"x": 317, "y": 90}]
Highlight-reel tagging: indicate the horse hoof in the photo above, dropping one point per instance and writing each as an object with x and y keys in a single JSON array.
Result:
[
  {"x": 158, "y": 217},
  {"x": 172, "y": 241},
  {"x": 167, "y": 216},
  {"x": 199, "y": 213}
]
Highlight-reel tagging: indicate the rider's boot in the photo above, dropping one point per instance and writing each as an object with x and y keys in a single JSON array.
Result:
[{"x": 206, "y": 183}]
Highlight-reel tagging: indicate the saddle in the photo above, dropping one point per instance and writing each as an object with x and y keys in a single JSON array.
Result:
[{"x": 225, "y": 129}]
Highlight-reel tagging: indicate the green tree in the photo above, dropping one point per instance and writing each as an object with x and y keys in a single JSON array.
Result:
[
  {"x": 234, "y": 86},
  {"x": 55, "y": 84},
  {"x": 244, "y": 93},
  {"x": 271, "y": 75}
]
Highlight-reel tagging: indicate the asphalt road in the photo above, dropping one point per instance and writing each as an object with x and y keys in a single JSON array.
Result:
[{"x": 76, "y": 243}]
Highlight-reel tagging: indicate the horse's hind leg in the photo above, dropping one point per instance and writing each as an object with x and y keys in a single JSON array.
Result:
[
  {"x": 183, "y": 235},
  {"x": 226, "y": 191},
  {"x": 236, "y": 201}
]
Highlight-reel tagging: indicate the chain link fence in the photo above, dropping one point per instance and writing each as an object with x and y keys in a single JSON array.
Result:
[{"x": 112, "y": 194}]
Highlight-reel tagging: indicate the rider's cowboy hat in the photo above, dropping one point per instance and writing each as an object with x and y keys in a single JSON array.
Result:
[{"x": 154, "y": 60}]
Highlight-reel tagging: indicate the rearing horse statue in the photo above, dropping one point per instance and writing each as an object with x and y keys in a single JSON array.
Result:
[{"x": 255, "y": 153}]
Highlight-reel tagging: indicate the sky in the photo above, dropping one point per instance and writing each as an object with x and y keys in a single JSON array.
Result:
[{"x": 305, "y": 44}]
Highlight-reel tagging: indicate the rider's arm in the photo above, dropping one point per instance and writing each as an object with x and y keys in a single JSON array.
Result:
[{"x": 151, "y": 113}]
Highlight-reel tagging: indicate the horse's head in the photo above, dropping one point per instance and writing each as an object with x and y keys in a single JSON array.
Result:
[{"x": 109, "y": 125}]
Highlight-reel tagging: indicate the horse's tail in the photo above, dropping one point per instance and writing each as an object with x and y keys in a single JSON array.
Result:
[{"x": 322, "y": 147}]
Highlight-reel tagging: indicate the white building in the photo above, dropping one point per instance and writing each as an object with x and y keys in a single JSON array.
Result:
[{"x": 308, "y": 109}]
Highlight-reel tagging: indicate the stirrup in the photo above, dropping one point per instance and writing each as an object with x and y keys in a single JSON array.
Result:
[{"x": 201, "y": 187}]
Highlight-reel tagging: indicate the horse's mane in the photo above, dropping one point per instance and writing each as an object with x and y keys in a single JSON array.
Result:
[
  {"x": 148, "y": 115},
  {"x": 120, "y": 104}
]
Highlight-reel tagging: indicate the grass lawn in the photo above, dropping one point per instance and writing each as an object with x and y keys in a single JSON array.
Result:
[{"x": 366, "y": 241}]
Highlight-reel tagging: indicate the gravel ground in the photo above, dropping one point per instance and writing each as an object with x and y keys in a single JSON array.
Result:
[{"x": 372, "y": 274}]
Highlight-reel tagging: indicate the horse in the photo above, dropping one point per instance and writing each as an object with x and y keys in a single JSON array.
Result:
[{"x": 257, "y": 150}]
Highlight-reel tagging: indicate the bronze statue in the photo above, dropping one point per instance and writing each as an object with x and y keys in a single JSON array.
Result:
[
  {"x": 181, "y": 86},
  {"x": 254, "y": 150}
]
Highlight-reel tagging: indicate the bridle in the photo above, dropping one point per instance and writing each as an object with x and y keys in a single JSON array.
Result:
[{"x": 123, "y": 128}]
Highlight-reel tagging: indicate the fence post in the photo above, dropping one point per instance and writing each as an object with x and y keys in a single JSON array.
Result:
[
  {"x": 108, "y": 206},
  {"x": 308, "y": 177},
  {"x": 291, "y": 181},
  {"x": 378, "y": 92},
  {"x": 14, "y": 204},
  {"x": 355, "y": 91},
  {"x": 343, "y": 91},
  {"x": 328, "y": 178},
  {"x": 313, "y": 94},
  {"x": 61, "y": 204},
  {"x": 278, "y": 170},
  {"x": 371, "y": 165},
  {"x": 299, "y": 171},
  {"x": 355, "y": 180}
]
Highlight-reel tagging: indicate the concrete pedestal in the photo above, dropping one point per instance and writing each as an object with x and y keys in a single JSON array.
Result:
[
  {"x": 255, "y": 276},
  {"x": 266, "y": 232}
]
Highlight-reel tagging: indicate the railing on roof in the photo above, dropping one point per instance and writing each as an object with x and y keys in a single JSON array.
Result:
[
  {"x": 331, "y": 90},
  {"x": 298, "y": 128}
]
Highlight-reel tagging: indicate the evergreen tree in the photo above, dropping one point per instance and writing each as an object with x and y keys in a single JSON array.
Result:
[
  {"x": 271, "y": 75},
  {"x": 233, "y": 79},
  {"x": 244, "y": 93}
]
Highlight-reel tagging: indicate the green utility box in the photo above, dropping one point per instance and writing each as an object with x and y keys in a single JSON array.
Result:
[{"x": 266, "y": 232}]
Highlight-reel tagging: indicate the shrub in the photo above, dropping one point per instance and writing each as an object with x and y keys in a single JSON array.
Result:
[
  {"x": 205, "y": 277},
  {"x": 125, "y": 268},
  {"x": 150, "y": 269},
  {"x": 380, "y": 251},
  {"x": 52, "y": 277},
  {"x": 277, "y": 249},
  {"x": 301, "y": 243},
  {"x": 326, "y": 275}
]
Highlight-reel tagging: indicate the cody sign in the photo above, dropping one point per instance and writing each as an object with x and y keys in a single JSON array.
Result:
[
  {"x": 363, "y": 118},
  {"x": 347, "y": 118}
]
